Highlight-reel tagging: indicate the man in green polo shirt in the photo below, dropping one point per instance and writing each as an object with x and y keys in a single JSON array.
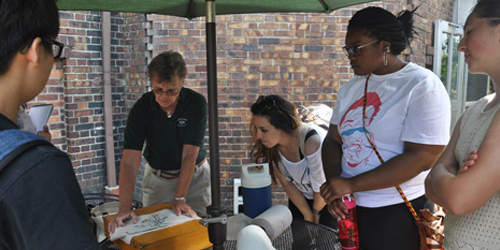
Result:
[{"x": 172, "y": 121}]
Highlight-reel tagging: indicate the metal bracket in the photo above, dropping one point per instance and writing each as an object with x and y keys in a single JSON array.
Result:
[{"x": 221, "y": 219}]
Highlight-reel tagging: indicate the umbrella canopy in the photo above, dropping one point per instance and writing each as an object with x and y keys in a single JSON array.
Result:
[{"x": 197, "y": 8}]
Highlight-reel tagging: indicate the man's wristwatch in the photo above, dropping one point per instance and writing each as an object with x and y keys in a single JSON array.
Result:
[
  {"x": 316, "y": 212},
  {"x": 180, "y": 199}
]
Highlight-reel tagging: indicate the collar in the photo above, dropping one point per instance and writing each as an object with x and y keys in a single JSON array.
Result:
[
  {"x": 6, "y": 123},
  {"x": 155, "y": 107}
]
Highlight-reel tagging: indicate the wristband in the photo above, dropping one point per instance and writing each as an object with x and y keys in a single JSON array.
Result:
[
  {"x": 180, "y": 199},
  {"x": 316, "y": 212}
]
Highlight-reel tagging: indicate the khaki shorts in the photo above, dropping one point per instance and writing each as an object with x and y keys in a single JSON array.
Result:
[{"x": 157, "y": 190}]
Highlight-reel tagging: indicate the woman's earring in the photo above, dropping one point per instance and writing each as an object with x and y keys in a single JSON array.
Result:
[{"x": 387, "y": 50}]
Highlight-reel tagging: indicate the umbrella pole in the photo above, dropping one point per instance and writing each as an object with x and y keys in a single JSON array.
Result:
[{"x": 216, "y": 230}]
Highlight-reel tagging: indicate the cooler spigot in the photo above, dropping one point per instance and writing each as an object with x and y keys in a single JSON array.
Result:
[{"x": 222, "y": 219}]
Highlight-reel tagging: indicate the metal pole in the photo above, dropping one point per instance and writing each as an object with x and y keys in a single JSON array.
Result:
[
  {"x": 217, "y": 231},
  {"x": 108, "y": 106}
]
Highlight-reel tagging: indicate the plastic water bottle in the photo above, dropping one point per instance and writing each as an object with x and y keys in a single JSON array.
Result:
[{"x": 348, "y": 227}]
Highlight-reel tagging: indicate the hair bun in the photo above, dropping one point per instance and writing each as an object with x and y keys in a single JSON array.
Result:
[{"x": 406, "y": 19}]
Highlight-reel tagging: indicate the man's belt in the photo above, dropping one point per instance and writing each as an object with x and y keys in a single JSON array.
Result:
[{"x": 171, "y": 174}]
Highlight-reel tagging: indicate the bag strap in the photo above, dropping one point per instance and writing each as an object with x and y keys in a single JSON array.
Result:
[
  {"x": 408, "y": 204},
  {"x": 13, "y": 142},
  {"x": 303, "y": 133}
]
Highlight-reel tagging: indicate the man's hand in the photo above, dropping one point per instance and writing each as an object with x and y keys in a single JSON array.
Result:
[
  {"x": 45, "y": 133},
  {"x": 181, "y": 207},
  {"x": 120, "y": 218},
  {"x": 334, "y": 188}
]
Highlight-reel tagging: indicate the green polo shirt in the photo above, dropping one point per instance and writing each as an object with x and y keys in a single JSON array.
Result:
[{"x": 165, "y": 137}]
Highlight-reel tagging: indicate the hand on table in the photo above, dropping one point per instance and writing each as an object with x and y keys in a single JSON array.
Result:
[
  {"x": 120, "y": 218},
  {"x": 181, "y": 207}
]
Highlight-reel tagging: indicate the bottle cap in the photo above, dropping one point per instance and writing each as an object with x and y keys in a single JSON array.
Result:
[{"x": 348, "y": 201}]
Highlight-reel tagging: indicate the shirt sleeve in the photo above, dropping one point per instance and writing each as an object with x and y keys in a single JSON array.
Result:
[
  {"x": 136, "y": 129},
  {"x": 198, "y": 123},
  {"x": 336, "y": 110},
  {"x": 429, "y": 113},
  {"x": 316, "y": 173}
]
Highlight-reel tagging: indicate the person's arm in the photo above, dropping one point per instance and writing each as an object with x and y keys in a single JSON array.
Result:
[
  {"x": 332, "y": 158},
  {"x": 415, "y": 159},
  {"x": 129, "y": 167},
  {"x": 295, "y": 195},
  {"x": 189, "y": 155},
  {"x": 447, "y": 160},
  {"x": 464, "y": 192},
  {"x": 331, "y": 153},
  {"x": 318, "y": 205},
  {"x": 317, "y": 175}
]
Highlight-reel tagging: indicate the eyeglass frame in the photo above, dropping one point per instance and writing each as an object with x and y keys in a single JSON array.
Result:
[
  {"x": 50, "y": 42},
  {"x": 356, "y": 49},
  {"x": 160, "y": 92}
]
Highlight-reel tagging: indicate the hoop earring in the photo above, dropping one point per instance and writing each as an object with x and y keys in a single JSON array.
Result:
[{"x": 387, "y": 50}]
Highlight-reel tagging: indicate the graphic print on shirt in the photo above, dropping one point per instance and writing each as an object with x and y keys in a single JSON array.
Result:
[{"x": 355, "y": 145}]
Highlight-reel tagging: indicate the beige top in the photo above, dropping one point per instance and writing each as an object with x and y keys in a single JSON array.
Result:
[{"x": 479, "y": 229}]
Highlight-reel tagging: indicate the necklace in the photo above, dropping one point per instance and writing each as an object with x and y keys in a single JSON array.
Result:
[{"x": 169, "y": 113}]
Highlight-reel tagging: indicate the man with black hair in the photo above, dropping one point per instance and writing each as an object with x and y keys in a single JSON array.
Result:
[
  {"x": 41, "y": 203},
  {"x": 171, "y": 120}
]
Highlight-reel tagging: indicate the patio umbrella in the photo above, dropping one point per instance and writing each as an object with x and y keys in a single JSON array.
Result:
[{"x": 196, "y": 8}]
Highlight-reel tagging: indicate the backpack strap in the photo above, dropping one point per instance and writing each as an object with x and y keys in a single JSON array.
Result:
[
  {"x": 305, "y": 133},
  {"x": 14, "y": 142}
]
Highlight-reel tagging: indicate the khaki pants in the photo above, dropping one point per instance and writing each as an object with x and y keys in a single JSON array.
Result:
[{"x": 157, "y": 190}]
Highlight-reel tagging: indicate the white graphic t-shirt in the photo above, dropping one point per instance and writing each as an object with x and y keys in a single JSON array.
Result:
[{"x": 410, "y": 105}]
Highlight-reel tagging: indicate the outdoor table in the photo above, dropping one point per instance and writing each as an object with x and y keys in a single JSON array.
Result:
[{"x": 302, "y": 235}]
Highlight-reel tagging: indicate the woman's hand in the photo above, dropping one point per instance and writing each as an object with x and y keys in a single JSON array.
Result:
[
  {"x": 337, "y": 209},
  {"x": 468, "y": 162},
  {"x": 334, "y": 188}
]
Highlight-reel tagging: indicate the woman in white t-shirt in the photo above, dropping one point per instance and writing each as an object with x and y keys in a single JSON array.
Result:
[
  {"x": 406, "y": 121},
  {"x": 293, "y": 151},
  {"x": 465, "y": 179}
]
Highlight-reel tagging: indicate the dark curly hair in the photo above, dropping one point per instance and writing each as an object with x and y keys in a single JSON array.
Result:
[{"x": 384, "y": 26}]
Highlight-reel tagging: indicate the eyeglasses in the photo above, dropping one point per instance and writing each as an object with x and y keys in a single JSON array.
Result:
[
  {"x": 356, "y": 51},
  {"x": 169, "y": 92},
  {"x": 57, "y": 47}
]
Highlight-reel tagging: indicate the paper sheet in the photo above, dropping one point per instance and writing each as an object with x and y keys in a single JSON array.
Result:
[
  {"x": 39, "y": 115},
  {"x": 149, "y": 223}
]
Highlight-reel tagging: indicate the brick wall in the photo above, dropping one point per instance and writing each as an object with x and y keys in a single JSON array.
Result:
[{"x": 298, "y": 56}]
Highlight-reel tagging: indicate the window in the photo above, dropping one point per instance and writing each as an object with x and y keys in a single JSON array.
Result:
[{"x": 449, "y": 64}]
